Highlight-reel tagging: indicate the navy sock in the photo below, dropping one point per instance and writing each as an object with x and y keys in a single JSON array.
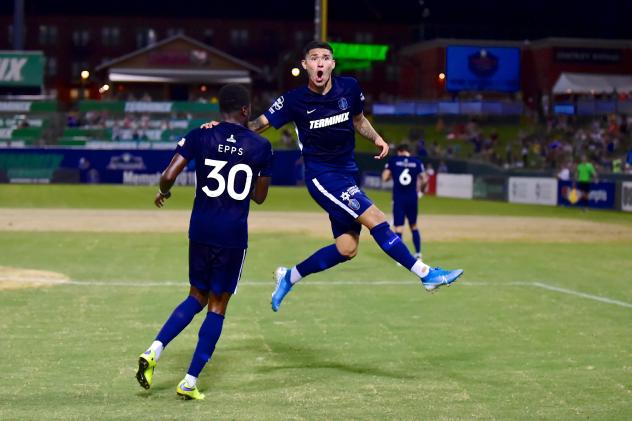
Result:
[
  {"x": 392, "y": 245},
  {"x": 417, "y": 241},
  {"x": 323, "y": 259},
  {"x": 179, "y": 319},
  {"x": 209, "y": 334}
]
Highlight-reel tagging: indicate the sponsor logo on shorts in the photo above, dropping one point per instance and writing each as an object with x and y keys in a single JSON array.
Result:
[{"x": 354, "y": 204}]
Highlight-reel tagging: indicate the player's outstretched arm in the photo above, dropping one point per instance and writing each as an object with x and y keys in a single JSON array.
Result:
[
  {"x": 168, "y": 178},
  {"x": 364, "y": 127},
  {"x": 259, "y": 124},
  {"x": 386, "y": 175},
  {"x": 260, "y": 192}
]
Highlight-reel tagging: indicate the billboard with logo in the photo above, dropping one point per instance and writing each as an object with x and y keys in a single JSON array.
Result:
[
  {"x": 600, "y": 195},
  {"x": 626, "y": 196},
  {"x": 476, "y": 68},
  {"x": 21, "y": 69}
]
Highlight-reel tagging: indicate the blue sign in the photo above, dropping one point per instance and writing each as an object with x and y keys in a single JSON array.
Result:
[
  {"x": 599, "y": 195},
  {"x": 482, "y": 69}
]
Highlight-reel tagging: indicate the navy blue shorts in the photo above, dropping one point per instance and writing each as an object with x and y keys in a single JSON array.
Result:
[
  {"x": 405, "y": 209},
  {"x": 215, "y": 269},
  {"x": 339, "y": 195}
]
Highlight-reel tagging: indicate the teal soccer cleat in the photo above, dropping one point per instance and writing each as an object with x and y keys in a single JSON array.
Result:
[
  {"x": 438, "y": 277},
  {"x": 283, "y": 286}
]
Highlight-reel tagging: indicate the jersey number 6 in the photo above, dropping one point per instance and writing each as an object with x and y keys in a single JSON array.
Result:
[
  {"x": 229, "y": 185},
  {"x": 405, "y": 178}
]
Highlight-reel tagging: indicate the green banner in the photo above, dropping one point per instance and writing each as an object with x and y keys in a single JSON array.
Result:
[
  {"x": 153, "y": 107},
  {"x": 21, "y": 69},
  {"x": 28, "y": 107}
]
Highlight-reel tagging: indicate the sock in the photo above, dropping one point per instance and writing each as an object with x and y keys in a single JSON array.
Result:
[
  {"x": 417, "y": 241},
  {"x": 157, "y": 347},
  {"x": 191, "y": 380},
  {"x": 400, "y": 235},
  {"x": 179, "y": 319},
  {"x": 295, "y": 275},
  {"x": 392, "y": 245},
  {"x": 321, "y": 260},
  {"x": 420, "y": 269},
  {"x": 208, "y": 336}
]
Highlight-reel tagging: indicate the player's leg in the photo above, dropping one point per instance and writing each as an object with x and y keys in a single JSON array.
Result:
[
  {"x": 411, "y": 215},
  {"x": 398, "y": 219},
  {"x": 227, "y": 266},
  {"x": 177, "y": 321},
  {"x": 431, "y": 278},
  {"x": 345, "y": 248},
  {"x": 209, "y": 334},
  {"x": 199, "y": 258}
]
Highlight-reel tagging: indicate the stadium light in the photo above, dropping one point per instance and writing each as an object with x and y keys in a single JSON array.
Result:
[
  {"x": 441, "y": 76},
  {"x": 85, "y": 74},
  {"x": 295, "y": 71}
]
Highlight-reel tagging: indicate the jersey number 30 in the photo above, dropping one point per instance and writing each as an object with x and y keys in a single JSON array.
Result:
[{"x": 227, "y": 184}]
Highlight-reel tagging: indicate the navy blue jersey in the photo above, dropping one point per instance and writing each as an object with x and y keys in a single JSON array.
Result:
[
  {"x": 228, "y": 160},
  {"x": 324, "y": 124},
  {"x": 405, "y": 171}
]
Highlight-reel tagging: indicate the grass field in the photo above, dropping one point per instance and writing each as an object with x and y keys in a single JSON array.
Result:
[{"x": 533, "y": 331}]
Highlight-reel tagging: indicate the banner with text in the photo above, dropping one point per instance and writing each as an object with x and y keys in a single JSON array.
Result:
[
  {"x": 626, "y": 196},
  {"x": 599, "y": 195},
  {"x": 460, "y": 186},
  {"x": 533, "y": 190},
  {"x": 21, "y": 69}
]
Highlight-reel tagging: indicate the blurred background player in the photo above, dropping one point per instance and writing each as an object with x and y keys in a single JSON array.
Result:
[
  {"x": 327, "y": 113},
  {"x": 409, "y": 178},
  {"x": 232, "y": 165}
]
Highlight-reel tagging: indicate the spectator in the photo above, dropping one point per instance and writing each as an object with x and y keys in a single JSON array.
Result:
[
  {"x": 564, "y": 174},
  {"x": 442, "y": 168}
]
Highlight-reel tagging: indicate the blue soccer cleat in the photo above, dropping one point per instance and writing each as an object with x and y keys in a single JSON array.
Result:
[
  {"x": 438, "y": 277},
  {"x": 283, "y": 286}
]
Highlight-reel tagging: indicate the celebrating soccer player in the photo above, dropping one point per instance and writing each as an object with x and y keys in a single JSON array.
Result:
[{"x": 232, "y": 166}]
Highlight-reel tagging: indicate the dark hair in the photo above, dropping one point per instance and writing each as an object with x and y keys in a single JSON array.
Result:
[
  {"x": 232, "y": 97},
  {"x": 316, "y": 44},
  {"x": 403, "y": 147}
]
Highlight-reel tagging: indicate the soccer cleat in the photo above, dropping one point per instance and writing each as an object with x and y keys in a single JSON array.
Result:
[
  {"x": 187, "y": 392},
  {"x": 438, "y": 277},
  {"x": 283, "y": 286},
  {"x": 146, "y": 365}
]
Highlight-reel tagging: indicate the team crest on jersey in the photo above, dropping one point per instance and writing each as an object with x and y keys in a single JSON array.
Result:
[
  {"x": 343, "y": 104},
  {"x": 276, "y": 105},
  {"x": 231, "y": 139}
]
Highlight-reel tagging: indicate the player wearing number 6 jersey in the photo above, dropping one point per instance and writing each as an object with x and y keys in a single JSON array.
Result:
[
  {"x": 232, "y": 166},
  {"x": 408, "y": 177}
]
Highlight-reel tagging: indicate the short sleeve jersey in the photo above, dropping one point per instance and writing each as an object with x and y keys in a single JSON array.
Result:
[
  {"x": 324, "y": 124},
  {"x": 585, "y": 172},
  {"x": 404, "y": 171},
  {"x": 228, "y": 160}
]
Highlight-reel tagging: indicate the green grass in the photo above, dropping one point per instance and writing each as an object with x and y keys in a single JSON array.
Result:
[
  {"x": 334, "y": 351},
  {"x": 279, "y": 199},
  {"x": 360, "y": 341}
]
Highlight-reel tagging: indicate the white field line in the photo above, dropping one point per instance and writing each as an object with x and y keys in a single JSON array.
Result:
[{"x": 367, "y": 283}]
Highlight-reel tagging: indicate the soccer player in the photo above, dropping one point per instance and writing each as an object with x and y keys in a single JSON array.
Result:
[
  {"x": 232, "y": 165},
  {"x": 409, "y": 177},
  {"x": 327, "y": 113}
]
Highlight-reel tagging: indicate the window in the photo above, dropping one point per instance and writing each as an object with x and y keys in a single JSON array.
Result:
[
  {"x": 110, "y": 36},
  {"x": 51, "y": 66},
  {"x": 47, "y": 35},
  {"x": 174, "y": 31},
  {"x": 239, "y": 37},
  {"x": 77, "y": 67},
  {"x": 80, "y": 37},
  {"x": 145, "y": 37},
  {"x": 364, "y": 37}
]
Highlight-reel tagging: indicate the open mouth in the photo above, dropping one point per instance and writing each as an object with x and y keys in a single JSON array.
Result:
[{"x": 319, "y": 75}]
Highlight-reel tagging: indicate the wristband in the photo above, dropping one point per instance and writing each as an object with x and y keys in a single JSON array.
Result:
[{"x": 165, "y": 195}]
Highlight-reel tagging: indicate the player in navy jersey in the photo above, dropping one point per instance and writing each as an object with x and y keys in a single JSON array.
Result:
[
  {"x": 327, "y": 113},
  {"x": 232, "y": 166},
  {"x": 409, "y": 177}
]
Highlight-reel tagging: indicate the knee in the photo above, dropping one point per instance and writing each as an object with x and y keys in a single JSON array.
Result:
[{"x": 348, "y": 251}]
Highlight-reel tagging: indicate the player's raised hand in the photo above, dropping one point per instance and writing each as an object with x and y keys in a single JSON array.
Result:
[
  {"x": 160, "y": 198},
  {"x": 209, "y": 125},
  {"x": 382, "y": 146}
]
